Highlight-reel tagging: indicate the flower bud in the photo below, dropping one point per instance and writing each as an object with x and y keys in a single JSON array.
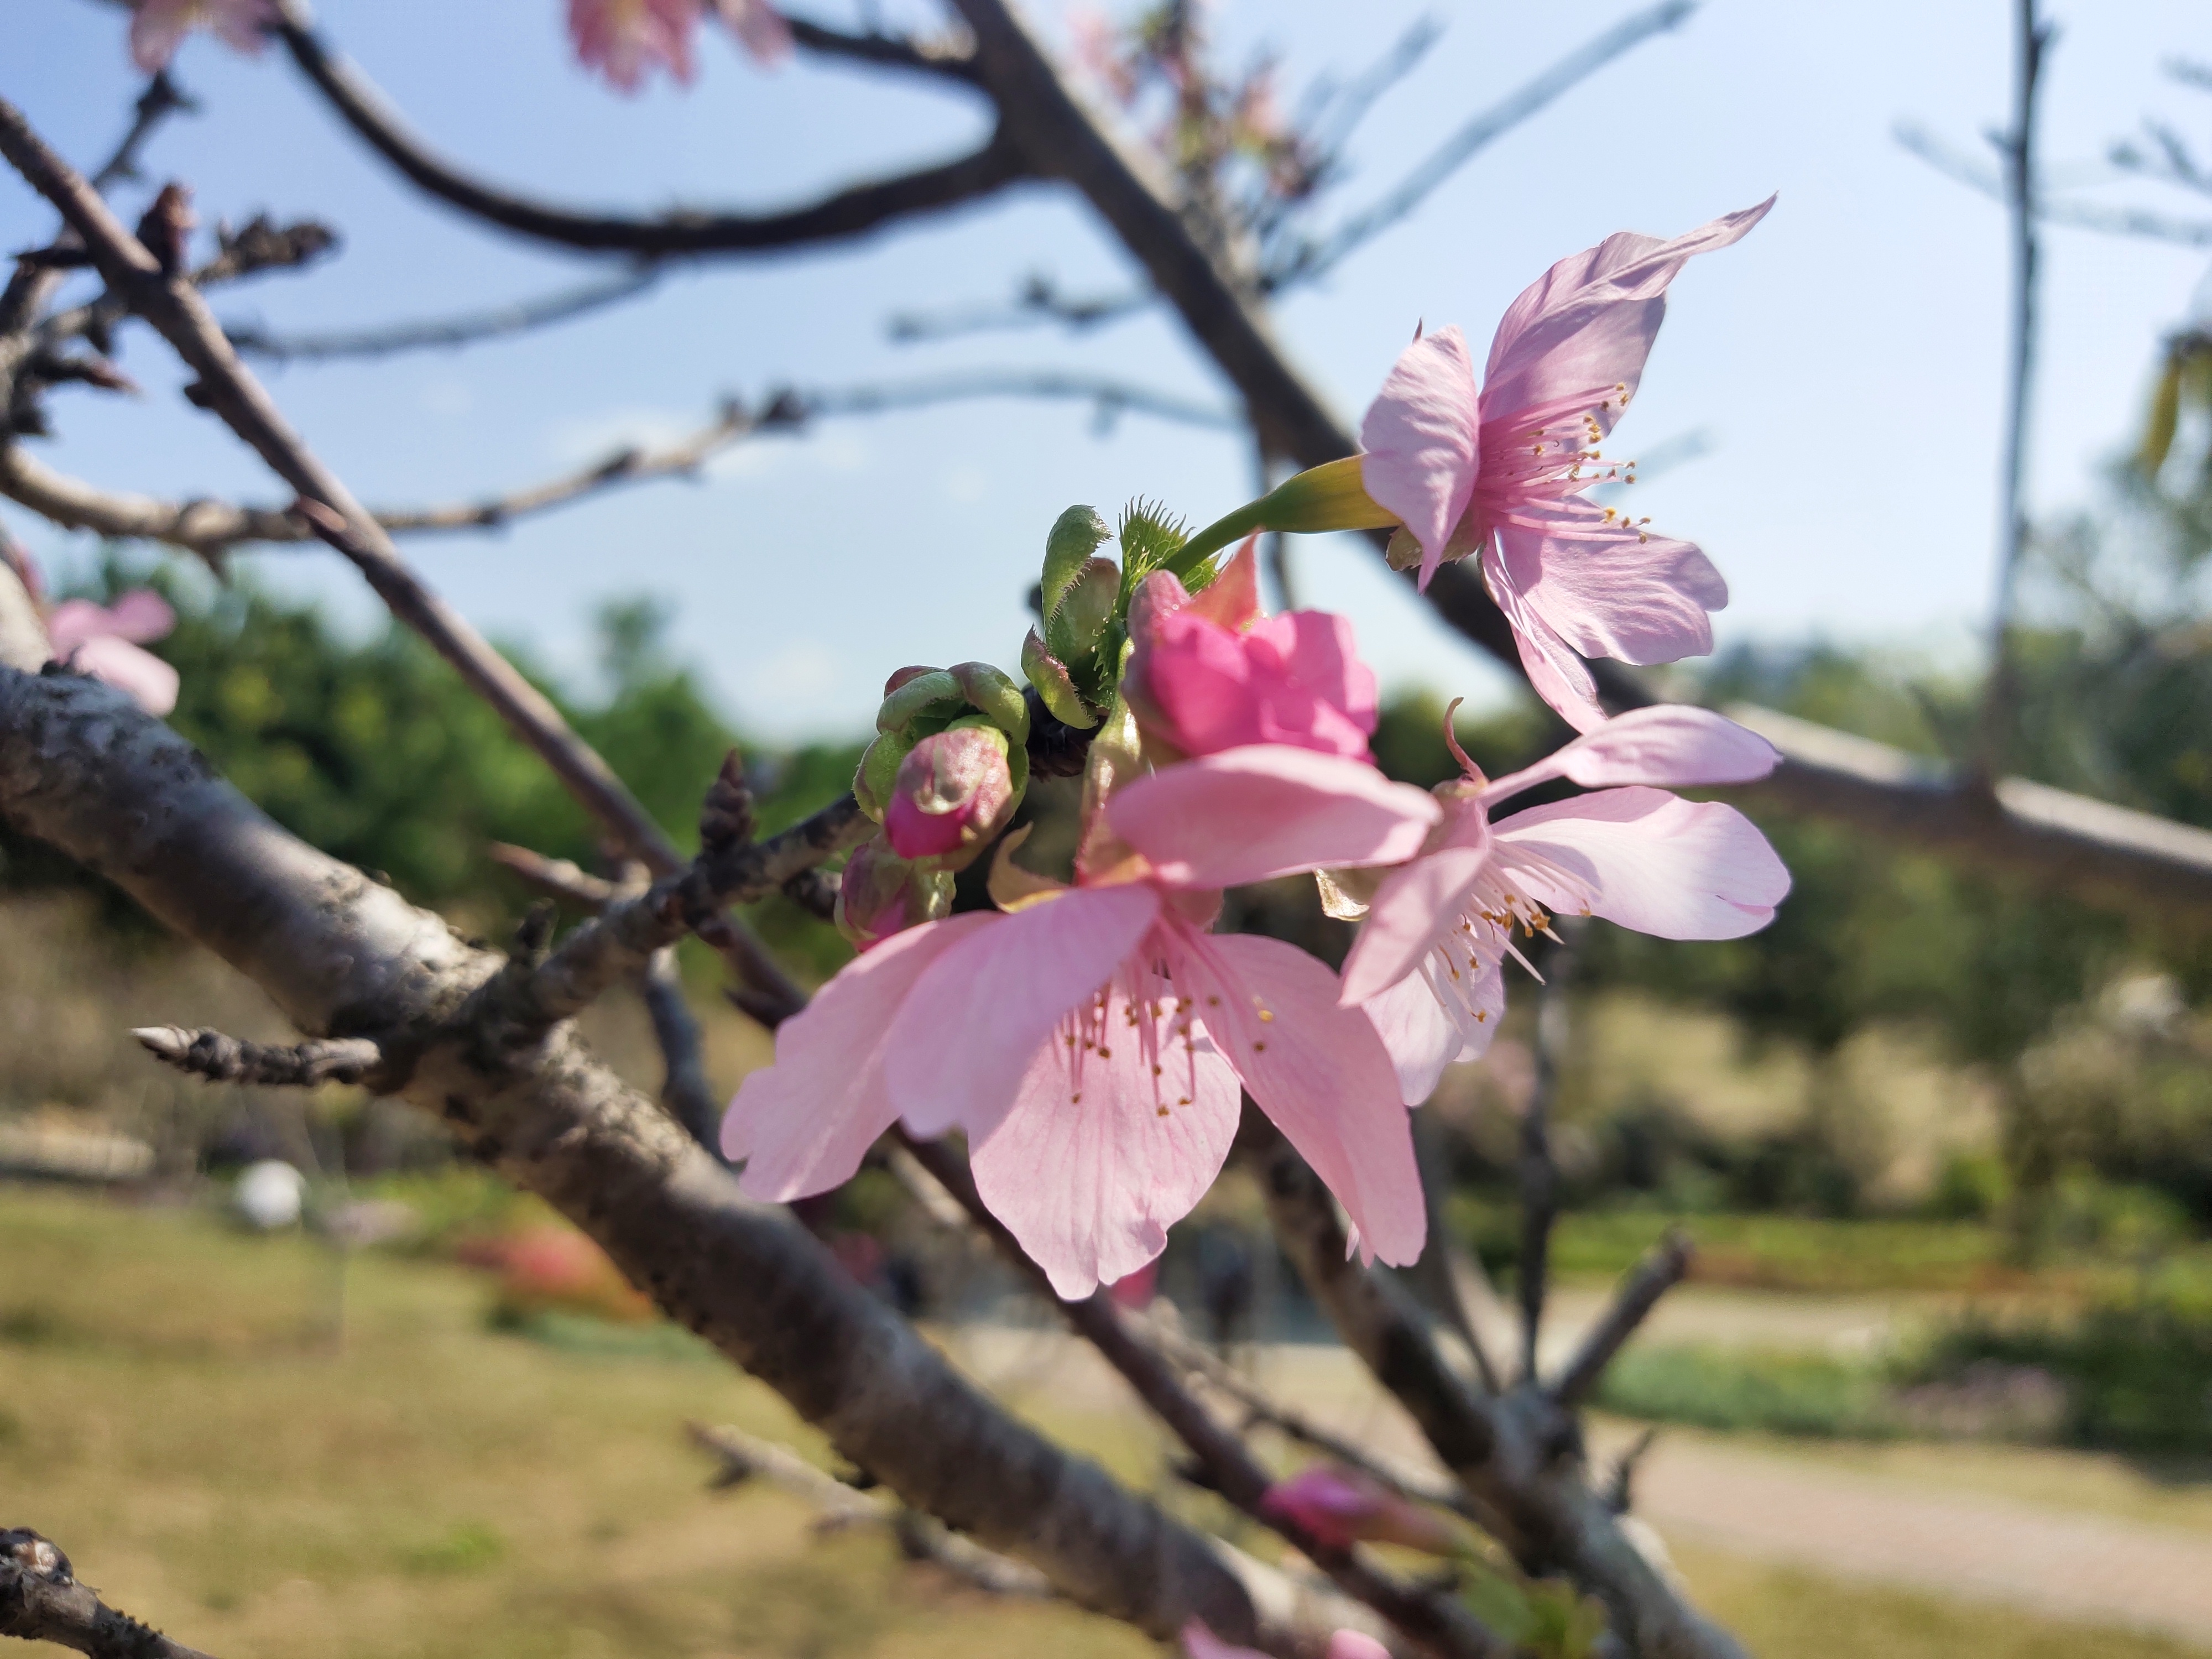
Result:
[
  {"x": 882, "y": 894},
  {"x": 955, "y": 791},
  {"x": 878, "y": 773},
  {"x": 932, "y": 692},
  {"x": 1341, "y": 1506}
]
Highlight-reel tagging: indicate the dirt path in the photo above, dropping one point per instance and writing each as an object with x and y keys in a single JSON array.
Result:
[{"x": 1934, "y": 1519}]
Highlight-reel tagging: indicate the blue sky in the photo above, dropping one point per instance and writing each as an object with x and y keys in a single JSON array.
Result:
[{"x": 1843, "y": 362}]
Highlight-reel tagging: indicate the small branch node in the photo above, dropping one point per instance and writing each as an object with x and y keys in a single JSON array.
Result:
[{"x": 221, "y": 1059}]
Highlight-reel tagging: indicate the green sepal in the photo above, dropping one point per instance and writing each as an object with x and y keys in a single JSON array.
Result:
[
  {"x": 1053, "y": 687},
  {"x": 936, "y": 693},
  {"x": 1074, "y": 537},
  {"x": 994, "y": 693},
  {"x": 877, "y": 772},
  {"x": 1072, "y": 629}
]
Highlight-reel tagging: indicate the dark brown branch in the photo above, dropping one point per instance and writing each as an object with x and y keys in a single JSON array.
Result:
[
  {"x": 221, "y": 1059},
  {"x": 41, "y": 1601},
  {"x": 1518, "y": 1456},
  {"x": 494, "y": 323},
  {"x": 263, "y": 245},
  {"x": 947, "y": 59},
  {"x": 1445, "y": 1275},
  {"x": 1037, "y": 303},
  {"x": 558, "y": 878},
  {"x": 1620, "y": 1485},
  {"x": 814, "y": 892},
  {"x": 1660, "y": 1271},
  {"x": 1225, "y": 1463},
  {"x": 845, "y": 216},
  {"x": 685, "y": 1090},
  {"x": 746, "y": 1457},
  {"x": 156, "y": 104}
]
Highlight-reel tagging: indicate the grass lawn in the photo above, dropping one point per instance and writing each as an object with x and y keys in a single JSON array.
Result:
[{"x": 175, "y": 1410}]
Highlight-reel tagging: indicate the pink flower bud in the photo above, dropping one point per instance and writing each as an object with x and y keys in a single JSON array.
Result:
[
  {"x": 882, "y": 894},
  {"x": 1214, "y": 672},
  {"x": 954, "y": 792},
  {"x": 1341, "y": 1506}
]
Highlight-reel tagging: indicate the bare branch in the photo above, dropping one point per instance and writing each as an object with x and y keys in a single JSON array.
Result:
[
  {"x": 1038, "y": 302},
  {"x": 1660, "y": 1271},
  {"x": 1195, "y": 1359},
  {"x": 210, "y": 528},
  {"x": 559, "y": 879},
  {"x": 263, "y": 245},
  {"x": 746, "y": 1457},
  {"x": 1225, "y": 1464},
  {"x": 848, "y": 213},
  {"x": 1311, "y": 258},
  {"x": 1976, "y": 175},
  {"x": 1443, "y": 1274},
  {"x": 221, "y": 1059},
  {"x": 1539, "y": 1171},
  {"x": 685, "y": 1090},
  {"x": 160, "y": 100},
  {"x": 948, "y": 59},
  {"x": 469, "y": 328},
  {"x": 1337, "y": 111},
  {"x": 40, "y": 1601},
  {"x": 1619, "y": 1485}
]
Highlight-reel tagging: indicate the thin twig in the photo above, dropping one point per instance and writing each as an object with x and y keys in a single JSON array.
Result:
[
  {"x": 221, "y": 1059},
  {"x": 1620, "y": 1485},
  {"x": 842, "y": 216},
  {"x": 746, "y": 1457},
  {"x": 160, "y": 100},
  {"x": 469, "y": 328},
  {"x": 1225, "y": 1462},
  {"x": 947, "y": 58},
  {"x": 41, "y": 1601},
  {"x": 1540, "y": 1170},
  {"x": 559, "y": 879},
  {"x": 1973, "y": 172},
  {"x": 1660, "y": 1271},
  {"x": 1311, "y": 260},
  {"x": 685, "y": 1090},
  {"x": 2031, "y": 39},
  {"x": 1196, "y": 1358}
]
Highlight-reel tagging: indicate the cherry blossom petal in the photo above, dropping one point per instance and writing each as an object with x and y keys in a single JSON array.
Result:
[
  {"x": 1319, "y": 1071},
  {"x": 1099, "y": 1156},
  {"x": 1420, "y": 435},
  {"x": 139, "y": 675},
  {"x": 1586, "y": 326},
  {"x": 804, "y": 1124},
  {"x": 1555, "y": 673},
  {"x": 1231, "y": 598},
  {"x": 760, "y": 28},
  {"x": 1265, "y": 810},
  {"x": 962, "y": 1042},
  {"x": 1674, "y": 745},
  {"x": 1646, "y": 859},
  {"x": 139, "y": 616},
  {"x": 1421, "y": 1038},
  {"x": 1418, "y": 906},
  {"x": 1200, "y": 1642},
  {"x": 1609, "y": 590}
]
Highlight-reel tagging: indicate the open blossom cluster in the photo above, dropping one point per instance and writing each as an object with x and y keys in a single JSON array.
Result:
[{"x": 1094, "y": 1039}]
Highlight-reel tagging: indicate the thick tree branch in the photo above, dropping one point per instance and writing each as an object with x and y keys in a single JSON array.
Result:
[
  {"x": 844, "y": 215},
  {"x": 40, "y": 1601},
  {"x": 1652, "y": 1277},
  {"x": 83, "y": 770}
]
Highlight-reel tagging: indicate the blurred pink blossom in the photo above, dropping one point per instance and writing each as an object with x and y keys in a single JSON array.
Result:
[
  {"x": 1342, "y": 1507},
  {"x": 624, "y": 39},
  {"x": 103, "y": 641},
  {"x": 1199, "y": 1643},
  {"x": 759, "y": 27},
  {"x": 1501, "y": 473},
  {"x": 158, "y": 27}
]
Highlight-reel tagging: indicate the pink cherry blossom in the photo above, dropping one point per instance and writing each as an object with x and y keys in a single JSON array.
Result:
[
  {"x": 624, "y": 40},
  {"x": 1342, "y": 1506},
  {"x": 759, "y": 27},
  {"x": 1215, "y": 672},
  {"x": 1501, "y": 473},
  {"x": 1093, "y": 1042},
  {"x": 1428, "y": 962},
  {"x": 1200, "y": 1642},
  {"x": 101, "y": 641},
  {"x": 158, "y": 27},
  {"x": 954, "y": 790}
]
